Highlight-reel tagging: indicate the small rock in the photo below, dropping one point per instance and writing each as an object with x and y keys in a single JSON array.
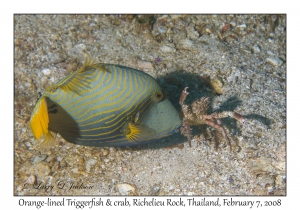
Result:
[
  {"x": 20, "y": 188},
  {"x": 31, "y": 179},
  {"x": 126, "y": 189},
  {"x": 57, "y": 57},
  {"x": 27, "y": 84},
  {"x": 63, "y": 163},
  {"x": 185, "y": 44},
  {"x": 80, "y": 47},
  {"x": 42, "y": 170},
  {"x": 39, "y": 158},
  {"x": 256, "y": 49},
  {"x": 280, "y": 152},
  {"x": 162, "y": 29},
  {"x": 119, "y": 34},
  {"x": 59, "y": 158},
  {"x": 208, "y": 30},
  {"x": 29, "y": 145},
  {"x": 89, "y": 164},
  {"x": 279, "y": 166},
  {"x": 269, "y": 52},
  {"x": 56, "y": 166},
  {"x": 270, "y": 189},
  {"x": 191, "y": 32},
  {"x": 167, "y": 49},
  {"x": 242, "y": 26},
  {"x": 77, "y": 50},
  {"x": 171, "y": 188},
  {"x": 217, "y": 85},
  {"x": 105, "y": 152},
  {"x": 245, "y": 49},
  {"x": 144, "y": 65},
  {"x": 233, "y": 24},
  {"x": 262, "y": 165},
  {"x": 176, "y": 16},
  {"x": 155, "y": 190},
  {"x": 68, "y": 44},
  {"x": 97, "y": 154},
  {"x": 50, "y": 158},
  {"x": 229, "y": 37},
  {"x": 282, "y": 57},
  {"x": 225, "y": 27},
  {"x": 274, "y": 61},
  {"x": 75, "y": 170},
  {"x": 279, "y": 181},
  {"x": 162, "y": 17}
]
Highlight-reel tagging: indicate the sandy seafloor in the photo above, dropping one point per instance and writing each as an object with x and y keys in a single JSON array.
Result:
[{"x": 245, "y": 54}]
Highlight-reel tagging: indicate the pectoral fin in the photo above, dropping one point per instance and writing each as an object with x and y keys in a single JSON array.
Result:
[{"x": 137, "y": 132}]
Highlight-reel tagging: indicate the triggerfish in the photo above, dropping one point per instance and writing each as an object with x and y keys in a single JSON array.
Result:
[{"x": 104, "y": 105}]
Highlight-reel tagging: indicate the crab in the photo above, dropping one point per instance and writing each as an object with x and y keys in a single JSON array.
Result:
[{"x": 196, "y": 114}]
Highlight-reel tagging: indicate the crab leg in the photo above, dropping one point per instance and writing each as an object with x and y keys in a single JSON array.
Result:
[
  {"x": 224, "y": 114},
  {"x": 185, "y": 129},
  {"x": 220, "y": 128}
]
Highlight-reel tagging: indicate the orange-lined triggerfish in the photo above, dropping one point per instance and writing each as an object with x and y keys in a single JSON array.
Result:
[{"x": 104, "y": 105}]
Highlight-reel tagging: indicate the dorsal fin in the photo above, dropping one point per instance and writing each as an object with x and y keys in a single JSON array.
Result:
[{"x": 79, "y": 80}]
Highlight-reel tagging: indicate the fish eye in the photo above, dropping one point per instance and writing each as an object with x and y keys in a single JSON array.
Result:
[{"x": 158, "y": 96}]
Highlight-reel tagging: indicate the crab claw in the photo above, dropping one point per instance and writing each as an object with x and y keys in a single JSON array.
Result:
[{"x": 183, "y": 96}]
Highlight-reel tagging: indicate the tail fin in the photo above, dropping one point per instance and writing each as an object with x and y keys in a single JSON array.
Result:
[
  {"x": 48, "y": 141},
  {"x": 39, "y": 123}
]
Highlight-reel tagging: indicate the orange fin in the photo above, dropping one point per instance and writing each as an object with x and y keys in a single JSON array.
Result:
[
  {"x": 39, "y": 124},
  {"x": 39, "y": 120}
]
